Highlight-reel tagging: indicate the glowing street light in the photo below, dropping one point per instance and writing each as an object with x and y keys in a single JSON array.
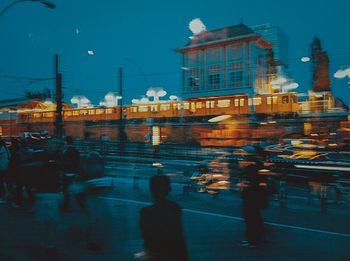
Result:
[
  {"x": 47, "y": 4},
  {"x": 156, "y": 93},
  {"x": 305, "y": 59}
]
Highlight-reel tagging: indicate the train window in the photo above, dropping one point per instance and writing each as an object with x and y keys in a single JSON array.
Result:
[
  {"x": 68, "y": 113},
  {"x": 91, "y": 112},
  {"x": 241, "y": 102},
  {"x": 165, "y": 107},
  {"x": 293, "y": 99},
  {"x": 257, "y": 101},
  {"x": 274, "y": 99},
  {"x": 224, "y": 103},
  {"x": 154, "y": 108},
  {"x": 209, "y": 104},
  {"x": 75, "y": 113},
  {"x": 48, "y": 114},
  {"x": 143, "y": 108},
  {"x": 100, "y": 111},
  {"x": 177, "y": 106},
  {"x": 133, "y": 109},
  {"x": 285, "y": 99},
  {"x": 186, "y": 105},
  {"x": 109, "y": 111},
  {"x": 268, "y": 100},
  {"x": 37, "y": 115},
  {"x": 236, "y": 102},
  {"x": 199, "y": 105},
  {"x": 83, "y": 112}
]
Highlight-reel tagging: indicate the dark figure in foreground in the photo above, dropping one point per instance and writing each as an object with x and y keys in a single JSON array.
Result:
[
  {"x": 161, "y": 225},
  {"x": 254, "y": 199},
  {"x": 70, "y": 166}
]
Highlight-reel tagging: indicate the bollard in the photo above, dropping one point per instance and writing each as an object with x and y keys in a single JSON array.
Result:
[
  {"x": 323, "y": 198},
  {"x": 136, "y": 182},
  {"x": 282, "y": 193}
]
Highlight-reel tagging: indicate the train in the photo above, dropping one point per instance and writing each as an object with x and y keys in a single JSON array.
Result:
[
  {"x": 279, "y": 103},
  {"x": 105, "y": 120}
]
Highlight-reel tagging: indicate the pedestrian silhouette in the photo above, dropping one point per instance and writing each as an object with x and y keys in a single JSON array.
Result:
[
  {"x": 70, "y": 163},
  {"x": 161, "y": 225},
  {"x": 254, "y": 199}
]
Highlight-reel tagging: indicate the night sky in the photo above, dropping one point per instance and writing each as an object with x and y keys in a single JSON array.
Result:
[{"x": 147, "y": 32}]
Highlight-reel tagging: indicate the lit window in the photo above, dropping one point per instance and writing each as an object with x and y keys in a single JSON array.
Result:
[
  {"x": 274, "y": 99},
  {"x": 154, "y": 108},
  {"x": 223, "y": 103},
  {"x": 209, "y": 104},
  {"x": 186, "y": 106},
  {"x": 100, "y": 111},
  {"x": 177, "y": 106},
  {"x": 257, "y": 101},
  {"x": 68, "y": 113},
  {"x": 133, "y": 109},
  {"x": 143, "y": 108},
  {"x": 165, "y": 107},
  {"x": 91, "y": 112},
  {"x": 83, "y": 112},
  {"x": 236, "y": 102},
  {"x": 199, "y": 105},
  {"x": 268, "y": 100},
  {"x": 109, "y": 111},
  {"x": 37, "y": 115},
  {"x": 241, "y": 102},
  {"x": 193, "y": 107},
  {"x": 75, "y": 113},
  {"x": 48, "y": 114}
]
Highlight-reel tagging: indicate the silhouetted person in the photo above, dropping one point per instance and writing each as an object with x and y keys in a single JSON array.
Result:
[
  {"x": 23, "y": 177},
  {"x": 254, "y": 199},
  {"x": 70, "y": 163},
  {"x": 4, "y": 165},
  {"x": 161, "y": 225}
]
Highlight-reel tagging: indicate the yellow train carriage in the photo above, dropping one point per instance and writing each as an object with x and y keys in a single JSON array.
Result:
[
  {"x": 277, "y": 103},
  {"x": 232, "y": 104}
]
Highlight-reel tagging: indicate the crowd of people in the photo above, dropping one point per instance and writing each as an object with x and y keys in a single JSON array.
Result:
[{"x": 160, "y": 223}]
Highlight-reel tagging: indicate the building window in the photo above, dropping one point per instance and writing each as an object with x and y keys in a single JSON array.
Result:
[
  {"x": 193, "y": 79},
  {"x": 214, "y": 77},
  {"x": 236, "y": 78},
  {"x": 223, "y": 103}
]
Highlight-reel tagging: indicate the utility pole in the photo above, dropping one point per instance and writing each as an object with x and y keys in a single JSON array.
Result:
[
  {"x": 121, "y": 130},
  {"x": 58, "y": 116}
]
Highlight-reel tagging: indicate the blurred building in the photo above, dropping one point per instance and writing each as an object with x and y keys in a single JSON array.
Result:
[
  {"x": 278, "y": 39},
  {"x": 225, "y": 61}
]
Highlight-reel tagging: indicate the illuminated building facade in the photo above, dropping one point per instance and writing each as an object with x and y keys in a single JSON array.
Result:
[{"x": 226, "y": 61}]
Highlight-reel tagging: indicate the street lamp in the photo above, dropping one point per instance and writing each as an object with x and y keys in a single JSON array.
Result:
[{"x": 47, "y": 4}]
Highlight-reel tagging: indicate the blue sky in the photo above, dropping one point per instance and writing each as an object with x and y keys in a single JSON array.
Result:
[{"x": 148, "y": 32}]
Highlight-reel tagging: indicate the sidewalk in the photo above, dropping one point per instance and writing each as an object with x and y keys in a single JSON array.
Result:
[{"x": 213, "y": 227}]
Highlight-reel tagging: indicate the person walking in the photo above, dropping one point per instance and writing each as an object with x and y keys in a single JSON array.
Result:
[
  {"x": 4, "y": 165},
  {"x": 70, "y": 163},
  {"x": 161, "y": 225},
  {"x": 254, "y": 199}
]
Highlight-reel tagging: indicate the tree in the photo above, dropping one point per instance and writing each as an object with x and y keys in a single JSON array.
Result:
[{"x": 320, "y": 67}]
